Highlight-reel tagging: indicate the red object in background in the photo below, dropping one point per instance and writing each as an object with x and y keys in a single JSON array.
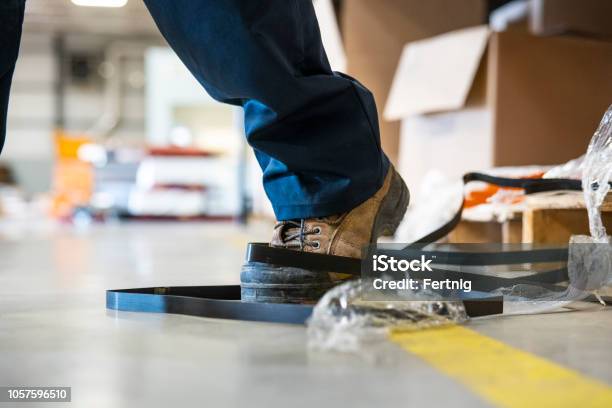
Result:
[
  {"x": 179, "y": 187},
  {"x": 477, "y": 197},
  {"x": 179, "y": 151}
]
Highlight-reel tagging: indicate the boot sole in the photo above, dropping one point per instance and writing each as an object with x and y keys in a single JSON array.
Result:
[{"x": 261, "y": 282}]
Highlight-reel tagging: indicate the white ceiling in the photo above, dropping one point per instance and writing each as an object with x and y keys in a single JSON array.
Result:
[{"x": 63, "y": 15}]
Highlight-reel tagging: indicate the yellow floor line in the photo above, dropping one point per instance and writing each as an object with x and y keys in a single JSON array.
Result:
[{"x": 501, "y": 374}]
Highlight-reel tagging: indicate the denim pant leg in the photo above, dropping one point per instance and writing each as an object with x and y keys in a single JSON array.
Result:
[
  {"x": 314, "y": 132},
  {"x": 11, "y": 19}
]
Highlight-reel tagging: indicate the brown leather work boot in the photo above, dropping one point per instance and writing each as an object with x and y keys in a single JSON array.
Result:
[{"x": 344, "y": 234}]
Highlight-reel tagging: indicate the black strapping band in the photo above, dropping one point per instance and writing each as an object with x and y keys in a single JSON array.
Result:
[{"x": 223, "y": 302}]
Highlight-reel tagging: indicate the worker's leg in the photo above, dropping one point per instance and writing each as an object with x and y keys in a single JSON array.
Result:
[
  {"x": 11, "y": 19},
  {"x": 315, "y": 133}
]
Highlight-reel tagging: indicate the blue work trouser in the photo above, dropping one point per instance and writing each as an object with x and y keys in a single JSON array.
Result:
[
  {"x": 11, "y": 19},
  {"x": 314, "y": 132}
]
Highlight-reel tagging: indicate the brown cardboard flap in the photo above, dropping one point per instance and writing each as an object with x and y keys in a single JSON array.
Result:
[
  {"x": 436, "y": 75},
  {"x": 375, "y": 32}
]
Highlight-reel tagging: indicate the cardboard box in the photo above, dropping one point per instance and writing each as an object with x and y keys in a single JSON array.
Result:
[
  {"x": 473, "y": 99},
  {"x": 585, "y": 17},
  {"x": 375, "y": 32}
]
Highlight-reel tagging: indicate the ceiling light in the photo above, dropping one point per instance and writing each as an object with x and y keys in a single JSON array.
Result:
[{"x": 100, "y": 3}]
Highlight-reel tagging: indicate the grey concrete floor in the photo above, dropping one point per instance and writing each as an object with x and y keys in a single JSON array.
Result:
[{"x": 55, "y": 330}]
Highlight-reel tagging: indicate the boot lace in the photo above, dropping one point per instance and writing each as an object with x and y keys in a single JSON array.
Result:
[{"x": 294, "y": 235}]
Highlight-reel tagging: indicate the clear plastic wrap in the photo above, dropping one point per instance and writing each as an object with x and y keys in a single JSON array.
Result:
[
  {"x": 572, "y": 169},
  {"x": 342, "y": 321},
  {"x": 589, "y": 266},
  {"x": 432, "y": 204},
  {"x": 597, "y": 172}
]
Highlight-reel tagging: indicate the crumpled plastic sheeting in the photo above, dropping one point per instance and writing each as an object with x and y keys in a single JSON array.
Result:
[
  {"x": 571, "y": 170},
  {"x": 343, "y": 322},
  {"x": 434, "y": 204},
  {"x": 595, "y": 170},
  {"x": 589, "y": 269},
  {"x": 596, "y": 176}
]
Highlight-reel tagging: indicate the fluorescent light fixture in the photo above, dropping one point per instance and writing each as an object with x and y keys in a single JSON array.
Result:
[{"x": 100, "y": 3}]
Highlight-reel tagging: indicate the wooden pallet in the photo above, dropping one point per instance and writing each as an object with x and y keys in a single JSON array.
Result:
[
  {"x": 553, "y": 219},
  {"x": 545, "y": 219}
]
